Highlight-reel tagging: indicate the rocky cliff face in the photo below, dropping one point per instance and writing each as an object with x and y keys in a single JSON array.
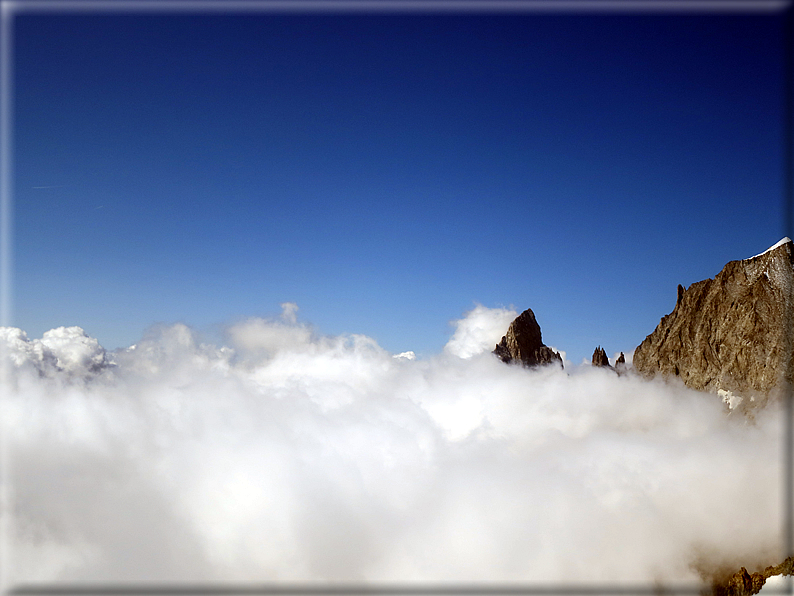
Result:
[
  {"x": 523, "y": 343},
  {"x": 731, "y": 334}
]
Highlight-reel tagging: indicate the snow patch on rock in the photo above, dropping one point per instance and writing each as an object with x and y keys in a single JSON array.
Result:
[{"x": 729, "y": 398}]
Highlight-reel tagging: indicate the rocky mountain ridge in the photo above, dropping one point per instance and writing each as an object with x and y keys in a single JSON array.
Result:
[
  {"x": 744, "y": 583},
  {"x": 729, "y": 335}
]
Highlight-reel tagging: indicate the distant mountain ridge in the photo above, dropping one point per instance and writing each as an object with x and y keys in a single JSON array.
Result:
[{"x": 730, "y": 335}]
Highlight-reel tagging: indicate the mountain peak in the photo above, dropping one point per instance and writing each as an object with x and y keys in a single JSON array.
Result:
[
  {"x": 778, "y": 244},
  {"x": 523, "y": 343}
]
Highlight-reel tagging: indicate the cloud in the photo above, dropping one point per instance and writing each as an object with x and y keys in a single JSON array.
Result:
[
  {"x": 479, "y": 330},
  {"x": 777, "y": 584},
  {"x": 289, "y": 312},
  {"x": 65, "y": 349},
  {"x": 74, "y": 350},
  {"x": 262, "y": 338},
  {"x": 288, "y": 455}
]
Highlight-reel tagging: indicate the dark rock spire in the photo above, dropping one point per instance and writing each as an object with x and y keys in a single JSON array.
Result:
[
  {"x": 523, "y": 343},
  {"x": 600, "y": 357}
]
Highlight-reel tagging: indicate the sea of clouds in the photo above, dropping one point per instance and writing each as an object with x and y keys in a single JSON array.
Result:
[{"x": 286, "y": 455}]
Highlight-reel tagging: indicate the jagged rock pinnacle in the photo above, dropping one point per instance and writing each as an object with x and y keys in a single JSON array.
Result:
[
  {"x": 523, "y": 343},
  {"x": 600, "y": 357},
  {"x": 620, "y": 364}
]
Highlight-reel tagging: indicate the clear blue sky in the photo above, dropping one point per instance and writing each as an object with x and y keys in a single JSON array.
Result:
[{"x": 388, "y": 171}]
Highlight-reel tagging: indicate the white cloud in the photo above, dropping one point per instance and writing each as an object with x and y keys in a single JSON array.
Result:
[
  {"x": 261, "y": 338},
  {"x": 479, "y": 331},
  {"x": 74, "y": 350},
  {"x": 289, "y": 312},
  {"x": 292, "y": 456},
  {"x": 777, "y": 584},
  {"x": 65, "y": 349},
  {"x": 22, "y": 352}
]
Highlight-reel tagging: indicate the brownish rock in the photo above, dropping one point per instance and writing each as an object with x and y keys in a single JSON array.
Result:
[
  {"x": 740, "y": 583},
  {"x": 743, "y": 583},
  {"x": 784, "y": 568},
  {"x": 600, "y": 357},
  {"x": 620, "y": 364},
  {"x": 731, "y": 334},
  {"x": 523, "y": 343}
]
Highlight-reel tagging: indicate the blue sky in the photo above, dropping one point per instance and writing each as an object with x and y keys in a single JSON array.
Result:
[{"x": 387, "y": 172}]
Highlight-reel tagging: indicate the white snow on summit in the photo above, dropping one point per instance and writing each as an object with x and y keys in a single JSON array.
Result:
[{"x": 781, "y": 242}]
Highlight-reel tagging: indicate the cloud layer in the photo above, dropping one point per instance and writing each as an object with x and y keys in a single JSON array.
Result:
[{"x": 287, "y": 455}]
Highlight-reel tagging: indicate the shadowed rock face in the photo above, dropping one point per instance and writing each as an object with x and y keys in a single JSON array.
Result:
[
  {"x": 620, "y": 365},
  {"x": 730, "y": 334},
  {"x": 600, "y": 357},
  {"x": 523, "y": 343}
]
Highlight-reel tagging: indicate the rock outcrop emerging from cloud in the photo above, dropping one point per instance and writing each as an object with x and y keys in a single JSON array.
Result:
[
  {"x": 600, "y": 358},
  {"x": 729, "y": 335},
  {"x": 744, "y": 583},
  {"x": 523, "y": 343},
  {"x": 620, "y": 363}
]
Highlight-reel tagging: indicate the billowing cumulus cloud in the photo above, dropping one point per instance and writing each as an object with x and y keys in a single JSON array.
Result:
[
  {"x": 288, "y": 455},
  {"x": 479, "y": 331},
  {"x": 65, "y": 349}
]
